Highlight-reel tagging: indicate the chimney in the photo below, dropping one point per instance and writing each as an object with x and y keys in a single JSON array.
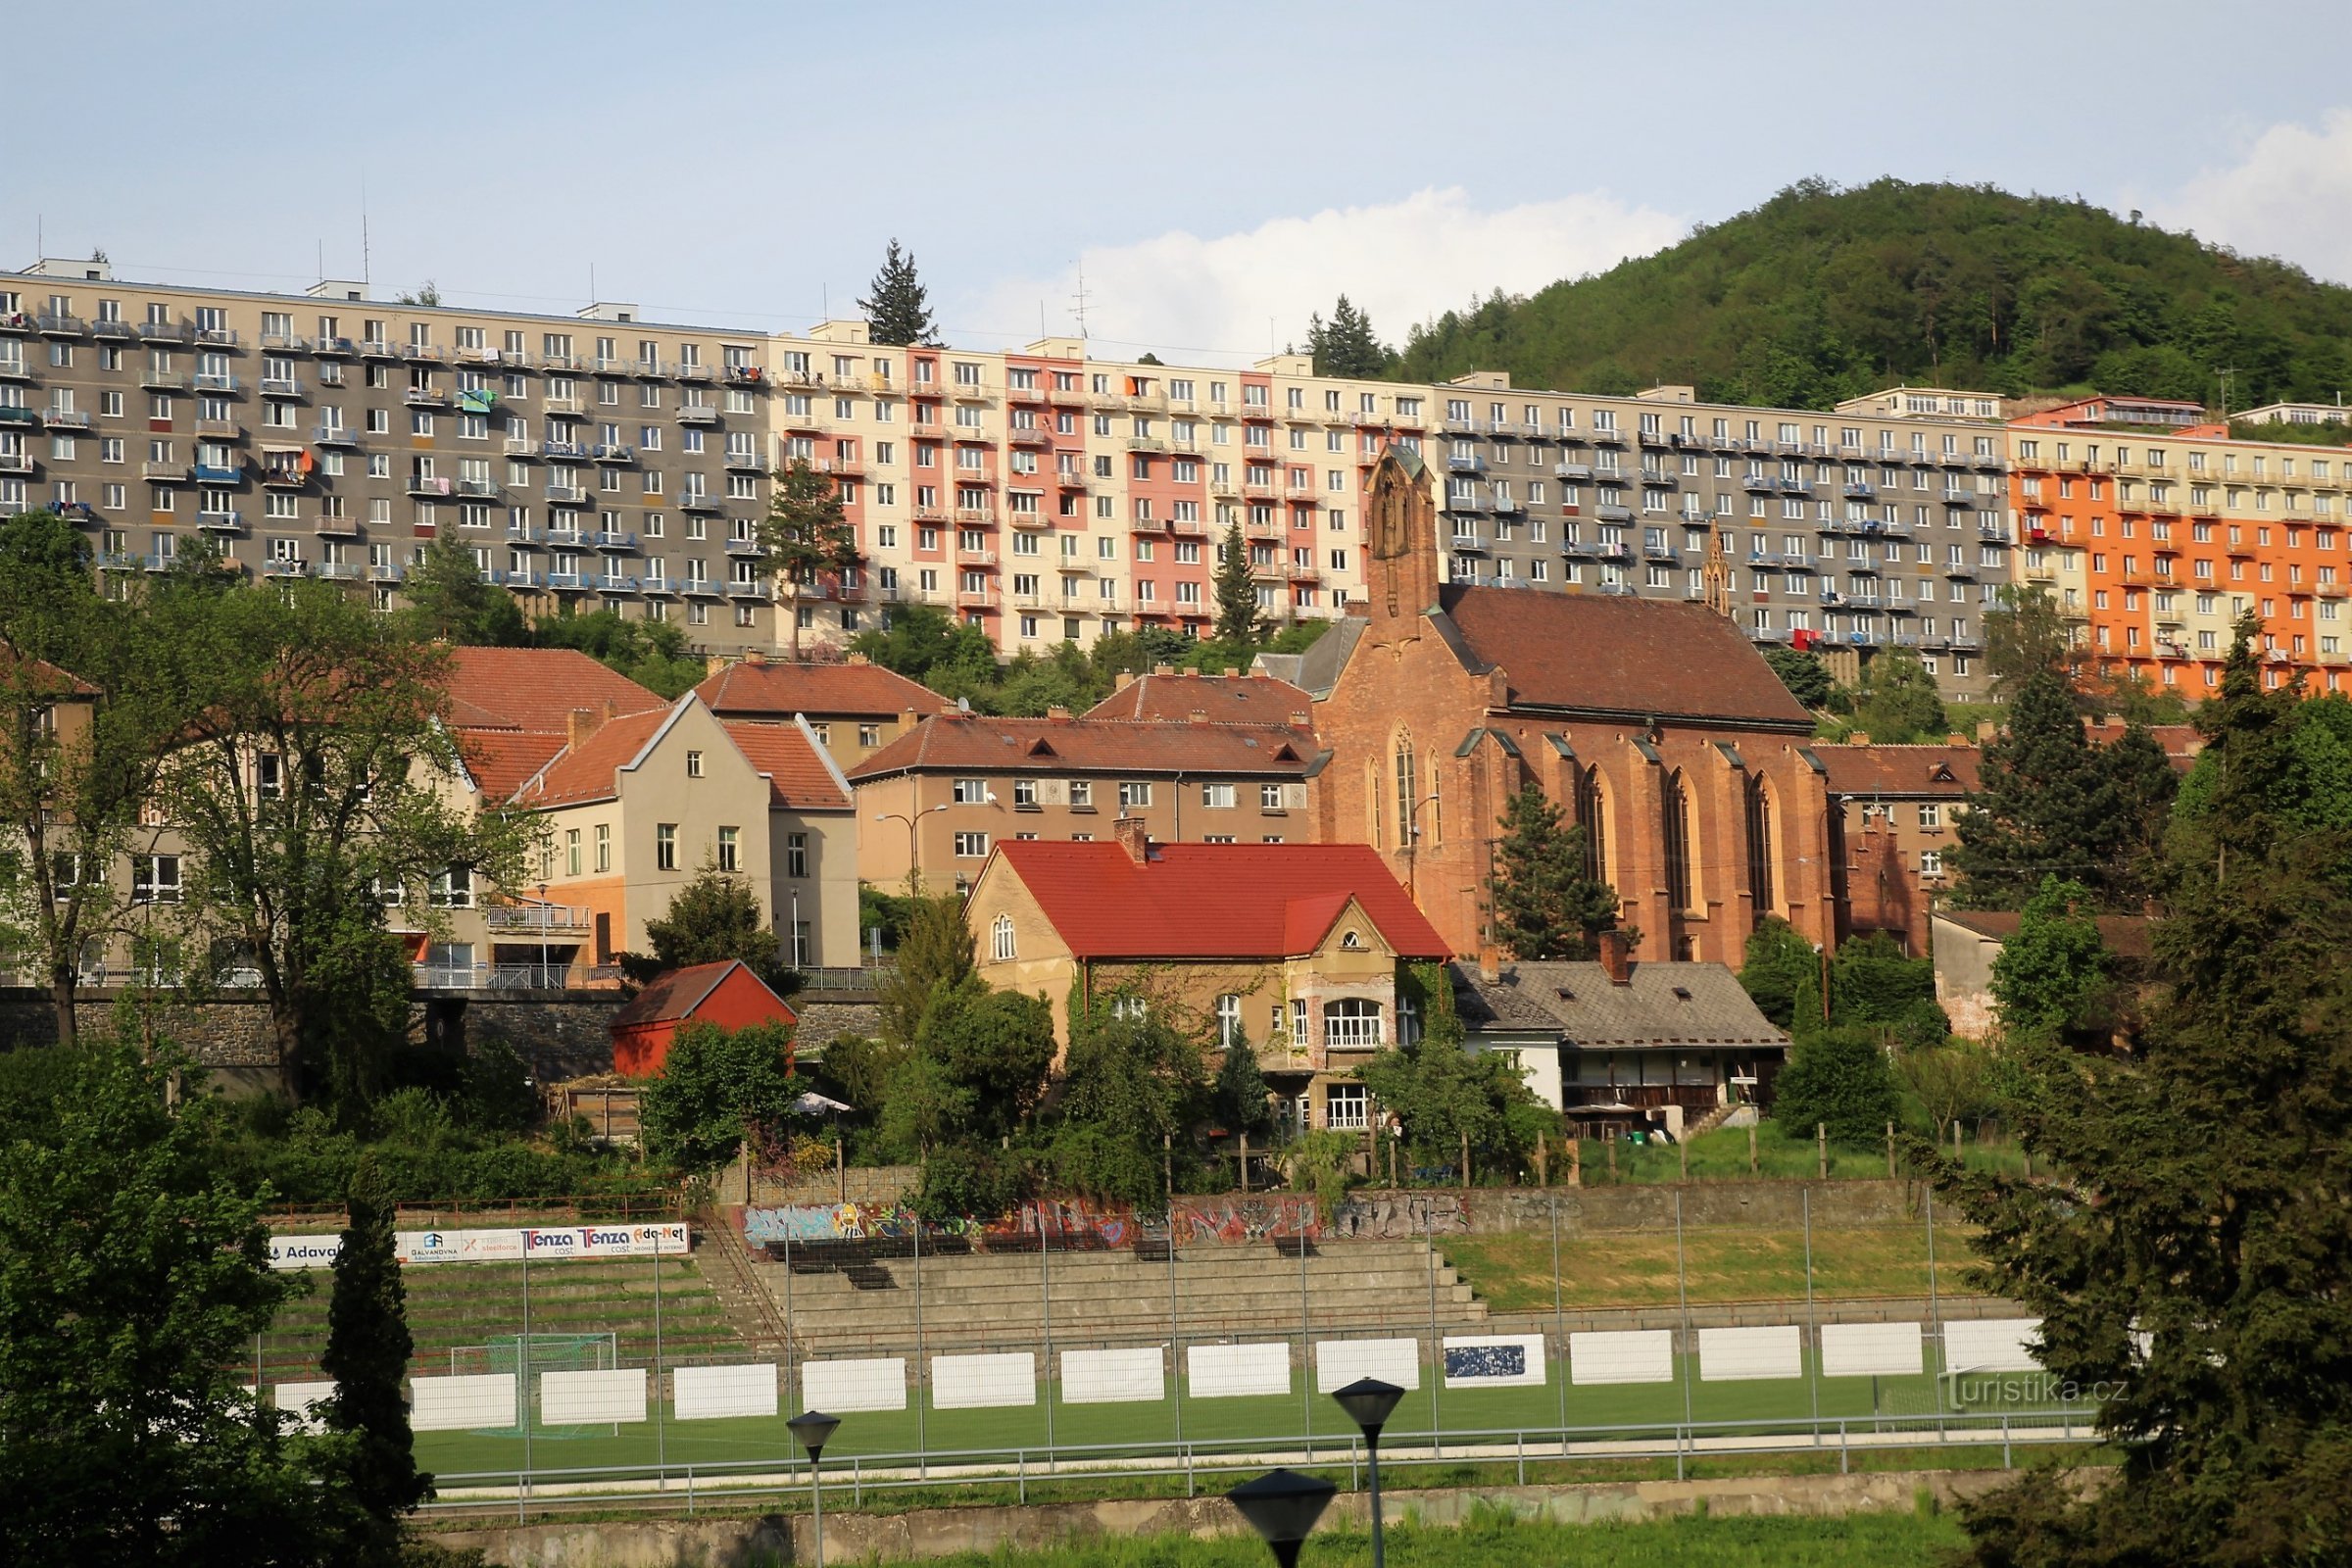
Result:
[
  {"x": 1986, "y": 731},
  {"x": 1490, "y": 963},
  {"x": 2113, "y": 721},
  {"x": 1163, "y": 670},
  {"x": 1232, "y": 674},
  {"x": 580, "y": 723},
  {"x": 1135, "y": 837},
  {"x": 856, "y": 659},
  {"x": 907, "y": 719},
  {"x": 1301, "y": 720},
  {"x": 1199, "y": 715},
  {"x": 1859, "y": 737},
  {"x": 713, "y": 664},
  {"x": 1125, "y": 679},
  {"x": 1058, "y": 714},
  {"x": 1956, "y": 740},
  {"x": 1190, "y": 673},
  {"x": 1617, "y": 957},
  {"x": 753, "y": 656}
]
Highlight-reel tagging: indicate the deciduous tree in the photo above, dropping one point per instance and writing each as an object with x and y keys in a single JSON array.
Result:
[
  {"x": 711, "y": 919},
  {"x": 1898, "y": 703},
  {"x": 2050, "y": 973},
  {"x": 718, "y": 1086},
  {"x": 1804, "y": 674},
  {"x": 449, "y": 599}
]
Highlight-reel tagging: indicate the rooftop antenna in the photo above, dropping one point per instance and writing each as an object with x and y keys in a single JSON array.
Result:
[
  {"x": 322, "y": 260},
  {"x": 366, "y": 274},
  {"x": 2227, "y": 371},
  {"x": 1080, "y": 298}
]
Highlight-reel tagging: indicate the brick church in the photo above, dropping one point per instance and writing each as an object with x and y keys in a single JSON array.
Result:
[{"x": 1657, "y": 725}]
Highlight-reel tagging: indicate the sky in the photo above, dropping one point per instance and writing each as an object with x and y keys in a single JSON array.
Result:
[{"x": 1214, "y": 173}]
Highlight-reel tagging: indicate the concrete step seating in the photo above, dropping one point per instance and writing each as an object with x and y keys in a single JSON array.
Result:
[{"x": 853, "y": 1300}]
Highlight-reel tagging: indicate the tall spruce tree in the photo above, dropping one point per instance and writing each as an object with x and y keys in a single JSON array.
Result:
[
  {"x": 367, "y": 1350},
  {"x": 2197, "y": 1261},
  {"x": 804, "y": 535},
  {"x": 898, "y": 310},
  {"x": 1239, "y": 622},
  {"x": 1346, "y": 345},
  {"x": 2046, "y": 804},
  {"x": 1544, "y": 905}
]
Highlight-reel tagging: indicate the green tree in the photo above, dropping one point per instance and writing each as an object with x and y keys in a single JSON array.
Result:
[
  {"x": 91, "y": 691},
  {"x": 713, "y": 918},
  {"x": 366, "y": 1354},
  {"x": 320, "y": 774},
  {"x": 717, "y": 1088},
  {"x": 1951, "y": 1081},
  {"x": 1239, "y": 622},
  {"x": 132, "y": 1282},
  {"x": 2046, "y": 804},
  {"x": 1544, "y": 905},
  {"x": 951, "y": 657},
  {"x": 2025, "y": 636},
  {"x": 2195, "y": 1261},
  {"x": 994, "y": 1048},
  {"x": 1777, "y": 965},
  {"x": 1239, "y": 1097},
  {"x": 1839, "y": 1078},
  {"x": 897, "y": 310},
  {"x": 2146, "y": 786},
  {"x": 1803, "y": 673},
  {"x": 1131, "y": 1080},
  {"x": 805, "y": 537},
  {"x": 1347, "y": 345},
  {"x": 935, "y": 955},
  {"x": 2051, "y": 975},
  {"x": 1440, "y": 1091},
  {"x": 1874, "y": 984},
  {"x": 1898, "y": 703},
  {"x": 449, "y": 599},
  {"x": 651, "y": 652}
]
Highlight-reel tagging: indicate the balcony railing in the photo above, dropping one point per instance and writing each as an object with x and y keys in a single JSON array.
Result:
[{"x": 1355, "y": 1034}]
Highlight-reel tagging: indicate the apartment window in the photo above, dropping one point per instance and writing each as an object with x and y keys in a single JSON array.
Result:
[
  {"x": 796, "y": 854},
  {"x": 1135, "y": 794},
  {"x": 453, "y": 889},
  {"x": 1001, "y": 939},
  {"x": 1229, "y": 1020},
  {"x": 694, "y": 764},
  {"x": 270, "y": 776},
  {"x": 869, "y": 734},
  {"x": 1269, "y": 797},
  {"x": 666, "y": 846},
  {"x": 1345, "y": 1107},
  {"x": 1930, "y": 863},
  {"x": 971, "y": 792},
  {"x": 155, "y": 879},
  {"x": 730, "y": 849},
  {"x": 971, "y": 846},
  {"x": 571, "y": 851},
  {"x": 1082, "y": 795},
  {"x": 603, "y": 846},
  {"x": 1931, "y": 816},
  {"x": 1217, "y": 795}
]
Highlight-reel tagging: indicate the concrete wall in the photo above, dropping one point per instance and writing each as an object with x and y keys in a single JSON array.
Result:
[
  {"x": 943, "y": 1531},
  {"x": 1383, "y": 1214}
]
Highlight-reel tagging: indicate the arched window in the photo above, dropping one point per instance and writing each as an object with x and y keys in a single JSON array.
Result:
[
  {"x": 1352, "y": 1024},
  {"x": 1677, "y": 837},
  {"x": 1401, "y": 749},
  {"x": 999, "y": 934},
  {"x": 1592, "y": 811},
  {"x": 1759, "y": 847}
]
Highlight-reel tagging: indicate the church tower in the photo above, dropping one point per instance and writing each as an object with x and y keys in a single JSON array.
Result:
[{"x": 1401, "y": 576}]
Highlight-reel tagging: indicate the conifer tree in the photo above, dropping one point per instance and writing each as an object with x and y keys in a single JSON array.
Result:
[
  {"x": 2045, "y": 804},
  {"x": 805, "y": 534},
  {"x": 1544, "y": 905},
  {"x": 1239, "y": 623},
  {"x": 367, "y": 1350},
  {"x": 1346, "y": 345},
  {"x": 898, "y": 310},
  {"x": 2196, "y": 1264}
]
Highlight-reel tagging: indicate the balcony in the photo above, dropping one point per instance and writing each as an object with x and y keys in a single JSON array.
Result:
[
  {"x": 613, "y": 539},
  {"x": 425, "y": 397},
  {"x": 165, "y": 472},
  {"x": 977, "y": 597},
  {"x": 166, "y": 332},
  {"x": 165, "y": 381},
  {"x": 703, "y": 413},
  {"x": 425, "y": 354},
  {"x": 1573, "y": 470},
  {"x": 613, "y": 453},
  {"x": 747, "y": 588},
  {"x": 566, "y": 582},
  {"x": 111, "y": 331},
  {"x": 334, "y": 348},
  {"x": 1861, "y": 491},
  {"x": 739, "y": 462},
  {"x": 285, "y": 567},
  {"x": 217, "y": 383},
  {"x": 339, "y": 570},
  {"x": 285, "y": 477},
  {"x": 58, "y": 326},
  {"x": 1614, "y": 514},
  {"x": 221, "y": 521},
  {"x": 1961, "y": 570},
  {"x": 1959, "y": 498},
  {"x": 565, "y": 493},
  {"x": 375, "y": 348},
  {"x": 16, "y": 462},
  {"x": 746, "y": 376},
  {"x": 218, "y": 474},
  {"x": 1607, "y": 438},
  {"x": 1468, "y": 544},
  {"x": 282, "y": 386},
  {"x": 659, "y": 588},
  {"x": 690, "y": 371},
  {"x": 968, "y": 556},
  {"x": 336, "y": 527},
  {"x": 614, "y": 582},
  {"x": 744, "y": 545},
  {"x": 63, "y": 419},
  {"x": 431, "y": 486},
  {"x": 383, "y": 571},
  {"x": 563, "y": 451},
  {"x": 700, "y": 500}
]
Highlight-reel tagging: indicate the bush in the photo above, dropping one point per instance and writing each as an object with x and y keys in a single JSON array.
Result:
[
  {"x": 715, "y": 1089},
  {"x": 1839, "y": 1079}
]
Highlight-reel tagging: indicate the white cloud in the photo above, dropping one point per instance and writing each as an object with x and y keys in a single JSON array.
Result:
[
  {"x": 1403, "y": 262},
  {"x": 2290, "y": 195}
]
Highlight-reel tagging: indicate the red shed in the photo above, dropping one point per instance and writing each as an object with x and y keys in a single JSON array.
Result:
[{"x": 728, "y": 995}]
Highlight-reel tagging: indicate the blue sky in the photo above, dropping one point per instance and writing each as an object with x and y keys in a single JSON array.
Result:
[{"x": 1218, "y": 169}]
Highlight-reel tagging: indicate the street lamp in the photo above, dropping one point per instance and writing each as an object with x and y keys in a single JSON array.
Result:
[
  {"x": 543, "y": 934},
  {"x": 1368, "y": 1403},
  {"x": 813, "y": 1428},
  {"x": 1412, "y": 842},
  {"x": 914, "y": 863},
  {"x": 1282, "y": 1505}
]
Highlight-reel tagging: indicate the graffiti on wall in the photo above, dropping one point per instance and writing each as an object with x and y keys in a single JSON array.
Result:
[
  {"x": 828, "y": 1223},
  {"x": 1233, "y": 1218},
  {"x": 1079, "y": 1222},
  {"x": 1397, "y": 1217}
]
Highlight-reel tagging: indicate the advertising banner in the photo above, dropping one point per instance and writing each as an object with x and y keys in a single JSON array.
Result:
[{"x": 494, "y": 1246}]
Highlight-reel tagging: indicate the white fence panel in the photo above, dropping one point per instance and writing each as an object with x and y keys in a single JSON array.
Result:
[
  {"x": 839, "y": 1388},
  {"x": 298, "y": 1399},
  {"x": 1231, "y": 1371},
  {"x": 461, "y": 1403},
  {"x": 1624, "y": 1355},
  {"x": 1493, "y": 1360},
  {"x": 717, "y": 1393},
  {"x": 1340, "y": 1363},
  {"x": 592, "y": 1399},
  {"x": 983, "y": 1382},
  {"x": 1737, "y": 1355},
  {"x": 1111, "y": 1377},
  {"x": 1991, "y": 1345},
  {"x": 1871, "y": 1350}
]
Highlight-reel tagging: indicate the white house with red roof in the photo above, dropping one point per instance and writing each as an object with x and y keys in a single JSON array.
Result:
[{"x": 1295, "y": 947}]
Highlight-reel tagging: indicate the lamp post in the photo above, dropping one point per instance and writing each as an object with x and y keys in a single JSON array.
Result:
[
  {"x": 1282, "y": 1505},
  {"x": 1368, "y": 1403},
  {"x": 813, "y": 1428},
  {"x": 1412, "y": 841},
  {"x": 914, "y": 860},
  {"x": 543, "y": 934}
]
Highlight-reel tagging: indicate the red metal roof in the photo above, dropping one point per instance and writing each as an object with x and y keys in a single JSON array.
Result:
[
  {"x": 773, "y": 689},
  {"x": 798, "y": 777},
  {"x": 538, "y": 688},
  {"x": 1213, "y": 901},
  {"x": 1232, "y": 699},
  {"x": 672, "y": 998},
  {"x": 1620, "y": 655}
]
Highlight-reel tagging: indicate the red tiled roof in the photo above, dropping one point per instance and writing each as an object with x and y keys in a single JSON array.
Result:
[
  {"x": 973, "y": 741},
  {"x": 1213, "y": 901},
  {"x": 43, "y": 677},
  {"x": 503, "y": 761},
  {"x": 798, "y": 777},
  {"x": 587, "y": 771},
  {"x": 1619, "y": 655},
  {"x": 2180, "y": 742},
  {"x": 1945, "y": 771},
  {"x": 1233, "y": 698},
  {"x": 776, "y": 688},
  {"x": 538, "y": 688},
  {"x": 672, "y": 997}
]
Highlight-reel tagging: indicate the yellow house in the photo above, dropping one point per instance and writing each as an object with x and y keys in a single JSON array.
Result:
[{"x": 1295, "y": 947}]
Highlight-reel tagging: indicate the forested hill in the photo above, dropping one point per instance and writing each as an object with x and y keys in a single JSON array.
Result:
[{"x": 1822, "y": 294}]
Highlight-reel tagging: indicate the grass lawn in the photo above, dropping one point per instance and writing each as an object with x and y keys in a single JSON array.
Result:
[
  {"x": 1513, "y": 1271},
  {"x": 1782, "y": 1152}
]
